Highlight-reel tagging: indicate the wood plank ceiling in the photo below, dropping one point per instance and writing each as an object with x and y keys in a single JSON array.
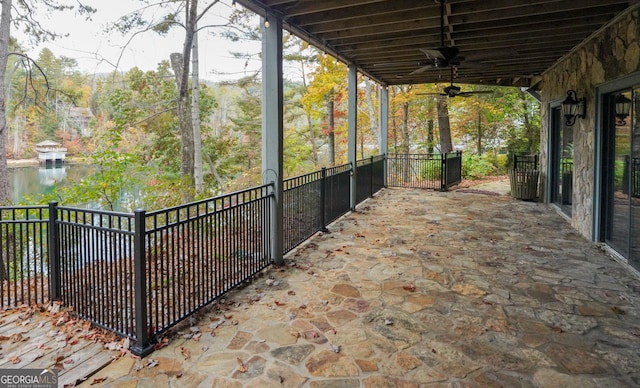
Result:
[{"x": 500, "y": 42}]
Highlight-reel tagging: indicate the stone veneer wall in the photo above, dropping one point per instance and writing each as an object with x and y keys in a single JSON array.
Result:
[{"x": 610, "y": 55}]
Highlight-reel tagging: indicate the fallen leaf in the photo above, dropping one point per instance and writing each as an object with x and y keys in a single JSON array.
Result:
[
  {"x": 291, "y": 293},
  {"x": 228, "y": 316},
  {"x": 14, "y": 360},
  {"x": 185, "y": 353},
  {"x": 241, "y": 366},
  {"x": 557, "y": 329},
  {"x": 159, "y": 346},
  {"x": 409, "y": 287},
  {"x": 279, "y": 303},
  {"x": 618, "y": 310},
  {"x": 98, "y": 380}
]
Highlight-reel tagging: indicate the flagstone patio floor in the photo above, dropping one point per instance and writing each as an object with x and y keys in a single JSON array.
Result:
[{"x": 417, "y": 289}]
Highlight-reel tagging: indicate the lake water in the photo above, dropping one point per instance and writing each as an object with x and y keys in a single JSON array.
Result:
[{"x": 30, "y": 182}]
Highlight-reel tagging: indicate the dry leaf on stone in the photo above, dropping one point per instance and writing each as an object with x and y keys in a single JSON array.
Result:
[
  {"x": 14, "y": 360},
  {"x": 409, "y": 287},
  {"x": 185, "y": 353},
  {"x": 241, "y": 367},
  {"x": 98, "y": 380},
  {"x": 291, "y": 293},
  {"x": 618, "y": 310},
  {"x": 557, "y": 329},
  {"x": 278, "y": 303}
]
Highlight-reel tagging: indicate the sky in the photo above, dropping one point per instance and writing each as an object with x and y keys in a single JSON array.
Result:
[{"x": 98, "y": 52}]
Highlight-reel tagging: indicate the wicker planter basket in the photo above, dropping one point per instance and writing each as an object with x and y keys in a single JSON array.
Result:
[{"x": 524, "y": 184}]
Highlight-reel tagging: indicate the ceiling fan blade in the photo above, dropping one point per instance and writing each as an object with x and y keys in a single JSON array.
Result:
[
  {"x": 433, "y": 53},
  {"x": 422, "y": 69},
  {"x": 468, "y": 94},
  {"x": 404, "y": 63}
]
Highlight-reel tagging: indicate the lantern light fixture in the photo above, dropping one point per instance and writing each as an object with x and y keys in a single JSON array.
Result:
[
  {"x": 623, "y": 106},
  {"x": 573, "y": 107}
]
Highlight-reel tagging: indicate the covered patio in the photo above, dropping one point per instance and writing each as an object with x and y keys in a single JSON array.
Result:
[{"x": 418, "y": 288}]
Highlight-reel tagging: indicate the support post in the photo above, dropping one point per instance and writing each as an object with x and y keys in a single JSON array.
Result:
[
  {"x": 55, "y": 289},
  {"x": 443, "y": 172},
  {"x": 323, "y": 199},
  {"x": 272, "y": 128},
  {"x": 352, "y": 124},
  {"x": 143, "y": 344},
  {"x": 384, "y": 129}
]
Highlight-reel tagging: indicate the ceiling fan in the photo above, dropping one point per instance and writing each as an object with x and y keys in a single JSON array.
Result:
[
  {"x": 455, "y": 91},
  {"x": 447, "y": 56},
  {"x": 442, "y": 56}
]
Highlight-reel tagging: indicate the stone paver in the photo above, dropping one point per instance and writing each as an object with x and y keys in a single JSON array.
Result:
[{"x": 420, "y": 289}]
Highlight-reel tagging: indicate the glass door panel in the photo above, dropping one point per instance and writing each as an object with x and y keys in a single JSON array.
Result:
[
  {"x": 562, "y": 162},
  {"x": 634, "y": 180},
  {"x": 619, "y": 168}
]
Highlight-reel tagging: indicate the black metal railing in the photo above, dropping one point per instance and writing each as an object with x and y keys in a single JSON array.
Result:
[
  {"x": 452, "y": 165},
  {"x": 140, "y": 274},
  {"x": 427, "y": 171},
  {"x": 525, "y": 162},
  {"x": 314, "y": 200},
  {"x": 194, "y": 253},
  {"x": 24, "y": 264},
  {"x": 369, "y": 177},
  {"x": 566, "y": 175},
  {"x": 92, "y": 268}
]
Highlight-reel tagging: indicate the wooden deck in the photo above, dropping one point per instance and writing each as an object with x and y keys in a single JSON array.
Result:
[{"x": 49, "y": 337}]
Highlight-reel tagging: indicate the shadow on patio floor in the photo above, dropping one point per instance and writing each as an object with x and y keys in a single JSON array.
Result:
[{"x": 418, "y": 288}]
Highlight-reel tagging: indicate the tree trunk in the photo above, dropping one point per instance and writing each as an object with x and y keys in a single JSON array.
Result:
[
  {"x": 479, "y": 142},
  {"x": 405, "y": 141},
  {"x": 373, "y": 121},
  {"x": 184, "y": 120},
  {"x": 5, "y": 31},
  {"x": 312, "y": 133},
  {"x": 195, "y": 117},
  {"x": 331, "y": 128},
  {"x": 180, "y": 64},
  {"x": 430, "y": 136},
  {"x": 443, "y": 124}
]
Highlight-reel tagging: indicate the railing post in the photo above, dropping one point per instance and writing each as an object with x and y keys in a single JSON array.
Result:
[
  {"x": 443, "y": 172},
  {"x": 143, "y": 345},
  {"x": 323, "y": 199},
  {"x": 371, "y": 177},
  {"x": 385, "y": 173},
  {"x": 55, "y": 289}
]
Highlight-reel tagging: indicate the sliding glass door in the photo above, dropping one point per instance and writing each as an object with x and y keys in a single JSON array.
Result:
[
  {"x": 622, "y": 173},
  {"x": 561, "y": 162}
]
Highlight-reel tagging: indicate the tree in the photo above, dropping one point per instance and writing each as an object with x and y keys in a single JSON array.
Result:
[
  {"x": 26, "y": 12},
  {"x": 180, "y": 63}
]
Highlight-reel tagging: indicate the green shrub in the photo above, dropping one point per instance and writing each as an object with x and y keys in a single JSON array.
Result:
[{"x": 475, "y": 167}]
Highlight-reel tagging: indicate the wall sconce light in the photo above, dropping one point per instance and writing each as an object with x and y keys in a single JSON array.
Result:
[
  {"x": 266, "y": 22},
  {"x": 623, "y": 106},
  {"x": 573, "y": 107}
]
